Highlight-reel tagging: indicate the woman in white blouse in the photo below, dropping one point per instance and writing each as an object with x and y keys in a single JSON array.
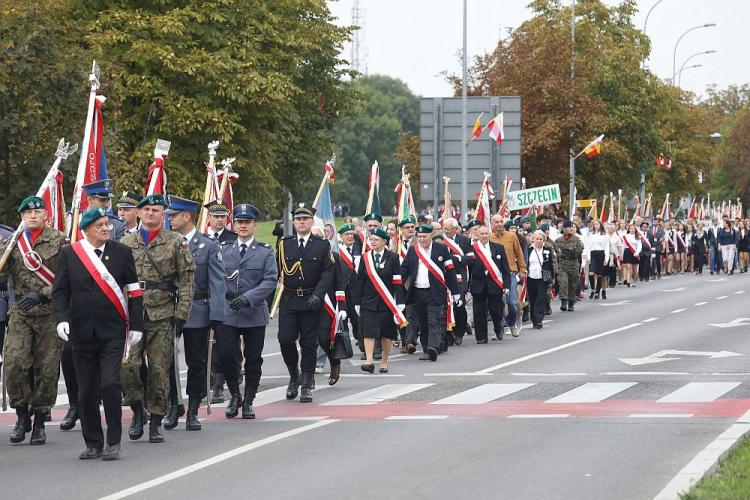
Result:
[
  {"x": 598, "y": 246},
  {"x": 630, "y": 256},
  {"x": 613, "y": 263}
]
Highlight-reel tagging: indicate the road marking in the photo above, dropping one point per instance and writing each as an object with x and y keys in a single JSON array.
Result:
[
  {"x": 203, "y": 464},
  {"x": 699, "y": 392},
  {"x": 701, "y": 303},
  {"x": 732, "y": 324},
  {"x": 739, "y": 292},
  {"x": 547, "y": 321},
  {"x": 662, "y": 356},
  {"x": 618, "y": 303},
  {"x": 707, "y": 460},
  {"x": 722, "y": 297},
  {"x": 592, "y": 392},
  {"x": 370, "y": 375},
  {"x": 646, "y": 373},
  {"x": 549, "y": 374},
  {"x": 293, "y": 419},
  {"x": 417, "y": 417},
  {"x": 649, "y": 320},
  {"x": 482, "y": 394},
  {"x": 559, "y": 348},
  {"x": 540, "y": 415},
  {"x": 674, "y": 289},
  {"x": 377, "y": 394},
  {"x": 678, "y": 310},
  {"x": 717, "y": 280},
  {"x": 660, "y": 415},
  {"x": 277, "y": 394},
  {"x": 457, "y": 374},
  {"x": 395, "y": 357}
]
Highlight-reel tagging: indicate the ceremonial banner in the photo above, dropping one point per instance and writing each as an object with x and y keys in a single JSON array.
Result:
[{"x": 542, "y": 195}]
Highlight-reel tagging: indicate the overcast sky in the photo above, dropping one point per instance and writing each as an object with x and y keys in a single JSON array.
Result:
[{"x": 416, "y": 40}]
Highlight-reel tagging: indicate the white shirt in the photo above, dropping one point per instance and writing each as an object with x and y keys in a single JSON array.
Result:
[
  {"x": 536, "y": 260},
  {"x": 304, "y": 239},
  {"x": 190, "y": 235},
  {"x": 599, "y": 242},
  {"x": 635, "y": 243},
  {"x": 246, "y": 243},
  {"x": 101, "y": 249},
  {"x": 215, "y": 235},
  {"x": 423, "y": 274}
]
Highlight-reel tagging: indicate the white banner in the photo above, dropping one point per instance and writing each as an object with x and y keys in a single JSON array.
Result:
[{"x": 542, "y": 195}]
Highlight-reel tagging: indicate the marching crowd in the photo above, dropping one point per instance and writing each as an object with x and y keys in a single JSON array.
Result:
[{"x": 109, "y": 307}]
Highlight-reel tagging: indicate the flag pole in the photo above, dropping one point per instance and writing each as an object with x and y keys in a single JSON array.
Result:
[{"x": 210, "y": 174}]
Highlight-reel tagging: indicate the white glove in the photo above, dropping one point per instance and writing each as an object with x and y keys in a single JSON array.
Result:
[
  {"x": 400, "y": 307},
  {"x": 342, "y": 316},
  {"x": 356, "y": 309},
  {"x": 63, "y": 330},
  {"x": 134, "y": 336},
  {"x": 457, "y": 300}
]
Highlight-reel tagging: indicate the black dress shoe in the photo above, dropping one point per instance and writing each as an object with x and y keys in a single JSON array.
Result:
[
  {"x": 90, "y": 453},
  {"x": 369, "y": 368},
  {"x": 538, "y": 326},
  {"x": 111, "y": 452},
  {"x": 292, "y": 389},
  {"x": 305, "y": 389},
  {"x": 69, "y": 420},
  {"x": 135, "y": 431},
  {"x": 432, "y": 353},
  {"x": 173, "y": 416},
  {"x": 335, "y": 374},
  {"x": 469, "y": 330},
  {"x": 383, "y": 370},
  {"x": 411, "y": 348},
  {"x": 233, "y": 408},
  {"x": 482, "y": 341},
  {"x": 154, "y": 429},
  {"x": 458, "y": 340}
]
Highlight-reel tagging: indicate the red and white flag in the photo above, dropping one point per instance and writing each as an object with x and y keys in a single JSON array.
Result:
[
  {"x": 54, "y": 201},
  {"x": 157, "y": 175},
  {"x": 495, "y": 127}
]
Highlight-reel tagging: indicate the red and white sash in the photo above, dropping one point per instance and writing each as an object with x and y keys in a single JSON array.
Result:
[
  {"x": 331, "y": 310},
  {"x": 455, "y": 249},
  {"x": 383, "y": 291},
  {"x": 645, "y": 240},
  {"x": 438, "y": 274},
  {"x": 489, "y": 264},
  {"x": 365, "y": 240},
  {"x": 630, "y": 247},
  {"x": 681, "y": 241},
  {"x": 348, "y": 259},
  {"x": 33, "y": 261}
]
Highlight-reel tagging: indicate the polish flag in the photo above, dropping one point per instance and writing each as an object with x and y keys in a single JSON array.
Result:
[{"x": 495, "y": 127}]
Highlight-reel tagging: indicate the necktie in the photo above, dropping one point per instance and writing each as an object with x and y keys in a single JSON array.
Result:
[
  {"x": 377, "y": 259},
  {"x": 243, "y": 249},
  {"x": 349, "y": 249},
  {"x": 301, "y": 244},
  {"x": 216, "y": 236},
  {"x": 98, "y": 252}
]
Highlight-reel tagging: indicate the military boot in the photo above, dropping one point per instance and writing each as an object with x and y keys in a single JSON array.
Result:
[
  {"x": 563, "y": 305},
  {"x": 571, "y": 306},
  {"x": 154, "y": 429},
  {"x": 23, "y": 425},
  {"x": 173, "y": 416},
  {"x": 293, "y": 389},
  {"x": 247, "y": 405},
  {"x": 306, "y": 392},
  {"x": 218, "y": 389},
  {"x": 192, "y": 423},
  {"x": 38, "y": 436},
  {"x": 233, "y": 408},
  {"x": 69, "y": 420},
  {"x": 135, "y": 431}
]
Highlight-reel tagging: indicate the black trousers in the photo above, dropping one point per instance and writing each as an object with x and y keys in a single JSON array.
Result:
[
  {"x": 228, "y": 342},
  {"x": 484, "y": 302},
  {"x": 69, "y": 373},
  {"x": 656, "y": 264},
  {"x": 97, "y": 365},
  {"x": 196, "y": 359},
  {"x": 324, "y": 338},
  {"x": 461, "y": 318},
  {"x": 302, "y": 326},
  {"x": 537, "y": 294},
  {"x": 431, "y": 317},
  {"x": 644, "y": 269}
]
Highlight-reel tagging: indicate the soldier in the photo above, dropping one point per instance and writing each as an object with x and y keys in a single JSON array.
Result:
[
  {"x": 32, "y": 349},
  {"x": 88, "y": 296},
  {"x": 217, "y": 223},
  {"x": 307, "y": 271},
  {"x": 98, "y": 194},
  {"x": 165, "y": 266},
  {"x": 571, "y": 248},
  {"x": 251, "y": 274},
  {"x": 206, "y": 312},
  {"x": 459, "y": 245},
  {"x": 127, "y": 211}
]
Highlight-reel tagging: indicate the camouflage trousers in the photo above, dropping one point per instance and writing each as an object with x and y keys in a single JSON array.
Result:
[
  {"x": 157, "y": 344},
  {"x": 569, "y": 278},
  {"x": 32, "y": 361}
]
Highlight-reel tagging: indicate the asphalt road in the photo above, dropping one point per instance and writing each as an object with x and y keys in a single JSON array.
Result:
[{"x": 610, "y": 401}]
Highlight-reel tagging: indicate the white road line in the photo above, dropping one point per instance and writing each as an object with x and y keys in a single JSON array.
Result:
[
  {"x": 648, "y": 320},
  {"x": 370, "y": 375},
  {"x": 482, "y": 394},
  {"x": 706, "y": 461},
  {"x": 565, "y": 374},
  {"x": 660, "y": 415},
  {"x": 417, "y": 417},
  {"x": 377, "y": 394},
  {"x": 294, "y": 419},
  {"x": 558, "y": 348},
  {"x": 739, "y": 292},
  {"x": 722, "y": 297},
  {"x": 646, "y": 373},
  {"x": 203, "y": 464},
  {"x": 278, "y": 394},
  {"x": 678, "y": 310},
  {"x": 701, "y": 303},
  {"x": 592, "y": 392},
  {"x": 540, "y": 415},
  {"x": 457, "y": 374},
  {"x": 699, "y": 392}
]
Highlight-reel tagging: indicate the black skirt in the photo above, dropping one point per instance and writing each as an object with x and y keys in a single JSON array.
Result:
[
  {"x": 629, "y": 258},
  {"x": 377, "y": 324},
  {"x": 597, "y": 262}
]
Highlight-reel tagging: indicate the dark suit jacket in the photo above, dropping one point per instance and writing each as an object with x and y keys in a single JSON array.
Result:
[
  {"x": 441, "y": 256},
  {"x": 316, "y": 274},
  {"x": 363, "y": 291},
  {"x": 462, "y": 262},
  {"x": 227, "y": 237},
  {"x": 482, "y": 282},
  {"x": 77, "y": 299}
]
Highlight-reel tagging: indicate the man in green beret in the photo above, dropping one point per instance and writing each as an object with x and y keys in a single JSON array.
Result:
[
  {"x": 32, "y": 348},
  {"x": 165, "y": 271}
]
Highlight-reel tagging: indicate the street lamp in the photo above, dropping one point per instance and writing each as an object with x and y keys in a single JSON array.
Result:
[
  {"x": 674, "y": 55},
  {"x": 679, "y": 73},
  {"x": 645, "y": 23},
  {"x": 688, "y": 59}
]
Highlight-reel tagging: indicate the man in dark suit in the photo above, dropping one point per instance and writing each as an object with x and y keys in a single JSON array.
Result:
[
  {"x": 459, "y": 245},
  {"x": 488, "y": 283},
  {"x": 307, "y": 270},
  {"x": 432, "y": 275},
  {"x": 98, "y": 305}
]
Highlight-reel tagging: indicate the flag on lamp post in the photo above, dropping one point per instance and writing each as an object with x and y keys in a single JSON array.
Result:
[{"x": 495, "y": 127}]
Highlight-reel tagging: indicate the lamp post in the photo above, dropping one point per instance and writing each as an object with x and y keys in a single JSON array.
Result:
[
  {"x": 464, "y": 167},
  {"x": 645, "y": 23},
  {"x": 689, "y": 58},
  {"x": 679, "y": 73},
  {"x": 674, "y": 54},
  {"x": 572, "y": 161}
]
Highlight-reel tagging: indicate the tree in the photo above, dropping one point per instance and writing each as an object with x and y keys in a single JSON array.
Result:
[{"x": 735, "y": 157}]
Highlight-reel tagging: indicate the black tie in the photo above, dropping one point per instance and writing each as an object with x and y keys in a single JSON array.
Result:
[
  {"x": 301, "y": 244},
  {"x": 98, "y": 252},
  {"x": 243, "y": 249},
  {"x": 377, "y": 259},
  {"x": 349, "y": 249}
]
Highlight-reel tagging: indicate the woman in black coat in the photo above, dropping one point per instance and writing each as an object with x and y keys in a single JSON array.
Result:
[
  {"x": 699, "y": 245},
  {"x": 540, "y": 270}
]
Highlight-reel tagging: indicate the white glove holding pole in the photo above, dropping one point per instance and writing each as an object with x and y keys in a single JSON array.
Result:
[
  {"x": 63, "y": 330},
  {"x": 356, "y": 309},
  {"x": 342, "y": 315},
  {"x": 457, "y": 300},
  {"x": 134, "y": 336}
]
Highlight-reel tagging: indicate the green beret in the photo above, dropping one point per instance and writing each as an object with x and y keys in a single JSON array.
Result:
[
  {"x": 525, "y": 219},
  {"x": 473, "y": 223},
  {"x": 369, "y": 217},
  {"x": 90, "y": 216},
  {"x": 438, "y": 236},
  {"x": 544, "y": 228},
  {"x": 153, "y": 199},
  {"x": 507, "y": 224},
  {"x": 31, "y": 203},
  {"x": 346, "y": 227},
  {"x": 425, "y": 229},
  {"x": 381, "y": 233},
  {"x": 409, "y": 219}
]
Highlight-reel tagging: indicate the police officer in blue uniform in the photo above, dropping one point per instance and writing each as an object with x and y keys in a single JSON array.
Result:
[
  {"x": 99, "y": 194},
  {"x": 307, "y": 272},
  {"x": 251, "y": 275},
  {"x": 207, "y": 311}
]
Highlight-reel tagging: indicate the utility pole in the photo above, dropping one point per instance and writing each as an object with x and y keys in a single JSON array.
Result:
[
  {"x": 464, "y": 167},
  {"x": 572, "y": 166}
]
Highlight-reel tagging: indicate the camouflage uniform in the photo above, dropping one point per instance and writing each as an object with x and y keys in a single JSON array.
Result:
[
  {"x": 32, "y": 347},
  {"x": 165, "y": 261},
  {"x": 569, "y": 265}
]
